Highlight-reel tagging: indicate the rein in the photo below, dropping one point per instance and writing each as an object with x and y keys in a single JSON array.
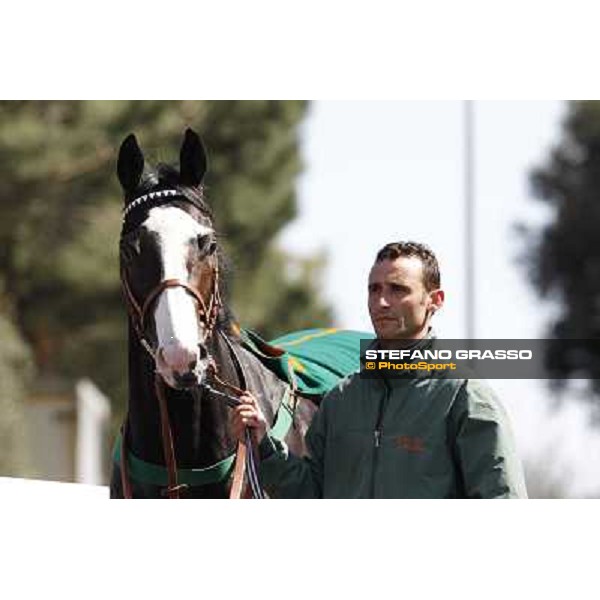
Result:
[{"x": 245, "y": 455}]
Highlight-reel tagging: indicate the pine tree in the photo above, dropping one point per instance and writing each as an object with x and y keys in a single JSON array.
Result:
[
  {"x": 564, "y": 257},
  {"x": 15, "y": 367},
  {"x": 60, "y": 219}
]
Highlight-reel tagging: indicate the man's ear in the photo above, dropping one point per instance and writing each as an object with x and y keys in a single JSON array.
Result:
[{"x": 437, "y": 300}]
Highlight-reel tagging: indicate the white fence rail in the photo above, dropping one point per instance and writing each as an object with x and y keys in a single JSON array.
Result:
[{"x": 48, "y": 490}]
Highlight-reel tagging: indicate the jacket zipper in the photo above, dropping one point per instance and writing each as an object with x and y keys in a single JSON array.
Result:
[{"x": 377, "y": 435}]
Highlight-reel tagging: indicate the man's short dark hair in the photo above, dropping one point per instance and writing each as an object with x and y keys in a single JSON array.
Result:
[{"x": 431, "y": 269}]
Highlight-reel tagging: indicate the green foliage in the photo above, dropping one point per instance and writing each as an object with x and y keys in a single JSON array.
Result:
[
  {"x": 564, "y": 260},
  {"x": 60, "y": 219},
  {"x": 15, "y": 366}
]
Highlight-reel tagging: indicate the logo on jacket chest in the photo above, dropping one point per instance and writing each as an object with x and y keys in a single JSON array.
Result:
[{"x": 410, "y": 443}]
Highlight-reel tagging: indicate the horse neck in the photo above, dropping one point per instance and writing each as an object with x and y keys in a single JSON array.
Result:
[{"x": 263, "y": 383}]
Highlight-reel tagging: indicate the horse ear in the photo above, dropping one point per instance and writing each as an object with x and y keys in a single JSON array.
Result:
[
  {"x": 130, "y": 165},
  {"x": 192, "y": 159}
]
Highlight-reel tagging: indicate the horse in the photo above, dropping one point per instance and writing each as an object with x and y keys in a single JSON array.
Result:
[{"x": 185, "y": 354}]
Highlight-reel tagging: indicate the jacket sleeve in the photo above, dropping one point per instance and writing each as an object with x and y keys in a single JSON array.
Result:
[
  {"x": 285, "y": 475},
  {"x": 483, "y": 444}
]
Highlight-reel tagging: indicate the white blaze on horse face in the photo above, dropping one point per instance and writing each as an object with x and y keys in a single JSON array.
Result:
[{"x": 175, "y": 314}]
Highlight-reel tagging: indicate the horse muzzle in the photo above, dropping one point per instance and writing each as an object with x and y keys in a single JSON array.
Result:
[{"x": 182, "y": 367}]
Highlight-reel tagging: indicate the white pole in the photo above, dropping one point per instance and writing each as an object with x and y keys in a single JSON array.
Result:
[
  {"x": 93, "y": 414},
  {"x": 469, "y": 125}
]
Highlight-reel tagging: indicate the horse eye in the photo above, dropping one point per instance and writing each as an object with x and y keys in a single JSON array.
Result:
[
  {"x": 130, "y": 249},
  {"x": 206, "y": 245}
]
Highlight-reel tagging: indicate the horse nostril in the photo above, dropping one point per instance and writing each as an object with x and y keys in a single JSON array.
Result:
[{"x": 185, "y": 380}]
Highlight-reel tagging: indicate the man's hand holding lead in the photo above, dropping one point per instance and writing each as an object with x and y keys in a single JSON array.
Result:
[{"x": 249, "y": 414}]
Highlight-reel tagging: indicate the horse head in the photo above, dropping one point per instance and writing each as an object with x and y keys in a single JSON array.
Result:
[{"x": 168, "y": 260}]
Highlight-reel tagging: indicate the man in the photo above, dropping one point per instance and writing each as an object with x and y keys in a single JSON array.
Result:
[{"x": 405, "y": 437}]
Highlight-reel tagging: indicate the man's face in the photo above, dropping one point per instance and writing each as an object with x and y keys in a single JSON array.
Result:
[{"x": 399, "y": 305}]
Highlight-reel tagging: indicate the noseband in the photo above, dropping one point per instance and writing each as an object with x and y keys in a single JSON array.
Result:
[{"x": 208, "y": 316}]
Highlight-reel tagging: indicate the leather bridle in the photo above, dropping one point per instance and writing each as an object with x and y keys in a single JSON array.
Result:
[
  {"x": 139, "y": 311},
  {"x": 208, "y": 315}
]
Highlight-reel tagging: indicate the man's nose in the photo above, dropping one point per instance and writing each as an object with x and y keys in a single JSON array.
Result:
[{"x": 383, "y": 302}]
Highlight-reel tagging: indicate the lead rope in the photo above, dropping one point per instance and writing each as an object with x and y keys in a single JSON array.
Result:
[
  {"x": 257, "y": 491},
  {"x": 245, "y": 456}
]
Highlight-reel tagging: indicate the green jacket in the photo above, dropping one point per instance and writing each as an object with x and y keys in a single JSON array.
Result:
[{"x": 411, "y": 437}]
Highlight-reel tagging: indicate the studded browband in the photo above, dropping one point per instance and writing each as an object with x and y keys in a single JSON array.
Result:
[{"x": 163, "y": 194}]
